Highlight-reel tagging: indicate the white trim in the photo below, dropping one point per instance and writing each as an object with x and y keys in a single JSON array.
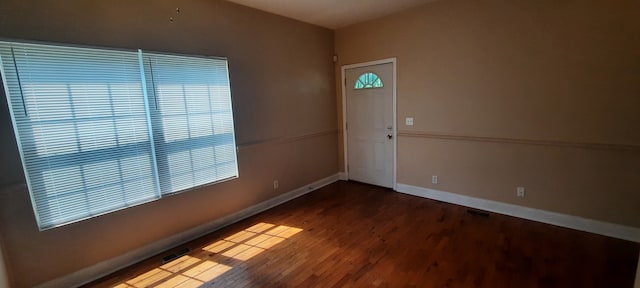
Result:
[
  {"x": 344, "y": 122},
  {"x": 563, "y": 220},
  {"x": 107, "y": 267},
  {"x": 393, "y": 62},
  {"x": 395, "y": 126},
  {"x": 343, "y": 176}
]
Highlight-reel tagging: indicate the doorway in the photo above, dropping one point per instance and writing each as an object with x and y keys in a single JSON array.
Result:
[{"x": 369, "y": 106}]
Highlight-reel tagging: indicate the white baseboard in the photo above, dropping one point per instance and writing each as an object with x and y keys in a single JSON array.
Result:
[
  {"x": 107, "y": 267},
  {"x": 569, "y": 221},
  {"x": 342, "y": 176}
]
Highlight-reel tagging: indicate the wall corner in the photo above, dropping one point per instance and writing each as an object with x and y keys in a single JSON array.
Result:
[{"x": 4, "y": 278}]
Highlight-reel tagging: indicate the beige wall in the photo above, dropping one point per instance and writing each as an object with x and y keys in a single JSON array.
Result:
[
  {"x": 541, "y": 94},
  {"x": 282, "y": 86}
]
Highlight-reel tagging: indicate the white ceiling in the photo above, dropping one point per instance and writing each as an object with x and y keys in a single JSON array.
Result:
[{"x": 331, "y": 13}]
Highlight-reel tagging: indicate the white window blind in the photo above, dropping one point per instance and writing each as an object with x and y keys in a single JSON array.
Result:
[
  {"x": 93, "y": 140},
  {"x": 192, "y": 120}
]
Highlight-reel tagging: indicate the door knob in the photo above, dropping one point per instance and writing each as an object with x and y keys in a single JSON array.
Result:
[{"x": 389, "y": 136}]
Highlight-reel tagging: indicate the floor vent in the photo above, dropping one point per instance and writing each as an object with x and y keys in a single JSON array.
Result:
[
  {"x": 478, "y": 213},
  {"x": 176, "y": 255}
]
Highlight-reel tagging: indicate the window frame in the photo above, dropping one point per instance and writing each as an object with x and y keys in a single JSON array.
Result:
[
  {"x": 154, "y": 126},
  {"x": 367, "y": 84}
]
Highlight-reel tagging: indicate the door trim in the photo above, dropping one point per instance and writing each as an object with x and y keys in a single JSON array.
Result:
[{"x": 395, "y": 117}]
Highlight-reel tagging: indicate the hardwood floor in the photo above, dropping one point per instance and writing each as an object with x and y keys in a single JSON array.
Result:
[{"x": 356, "y": 235}]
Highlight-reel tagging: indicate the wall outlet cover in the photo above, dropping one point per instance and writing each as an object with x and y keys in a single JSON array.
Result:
[{"x": 408, "y": 121}]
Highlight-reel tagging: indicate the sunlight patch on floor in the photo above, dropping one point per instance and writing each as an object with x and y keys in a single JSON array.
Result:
[
  {"x": 200, "y": 267},
  {"x": 252, "y": 241}
]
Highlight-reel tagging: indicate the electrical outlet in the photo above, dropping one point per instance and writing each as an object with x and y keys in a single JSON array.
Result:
[
  {"x": 520, "y": 192},
  {"x": 434, "y": 179},
  {"x": 275, "y": 184},
  {"x": 408, "y": 121}
]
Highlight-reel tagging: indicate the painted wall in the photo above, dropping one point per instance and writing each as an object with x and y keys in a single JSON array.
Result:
[
  {"x": 540, "y": 94},
  {"x": 283, "y": 95}
]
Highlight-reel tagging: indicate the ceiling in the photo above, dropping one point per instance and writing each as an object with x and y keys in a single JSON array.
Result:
[{"x": 331, "y": 13}]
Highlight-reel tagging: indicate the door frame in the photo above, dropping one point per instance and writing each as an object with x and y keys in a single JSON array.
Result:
[{"x": 345, "y": 136}]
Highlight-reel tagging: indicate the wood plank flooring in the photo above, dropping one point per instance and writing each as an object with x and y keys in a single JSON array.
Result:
[{"x": 356, "y": 235}]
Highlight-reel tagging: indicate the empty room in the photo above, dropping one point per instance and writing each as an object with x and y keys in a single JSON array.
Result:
[{"x": 301, "y": 143}]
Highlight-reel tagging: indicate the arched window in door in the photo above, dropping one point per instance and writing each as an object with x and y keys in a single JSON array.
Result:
[{"x": 368, "y": 80}]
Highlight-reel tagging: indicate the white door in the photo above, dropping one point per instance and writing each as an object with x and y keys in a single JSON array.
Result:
[{"x": 369, "y": 95}]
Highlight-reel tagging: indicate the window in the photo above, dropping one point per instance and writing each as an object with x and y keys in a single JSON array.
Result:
[
  {"x": 101, "y": 130},
  {"x": 191, "y": 110},
  {"x": 368, "y": 80}
]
